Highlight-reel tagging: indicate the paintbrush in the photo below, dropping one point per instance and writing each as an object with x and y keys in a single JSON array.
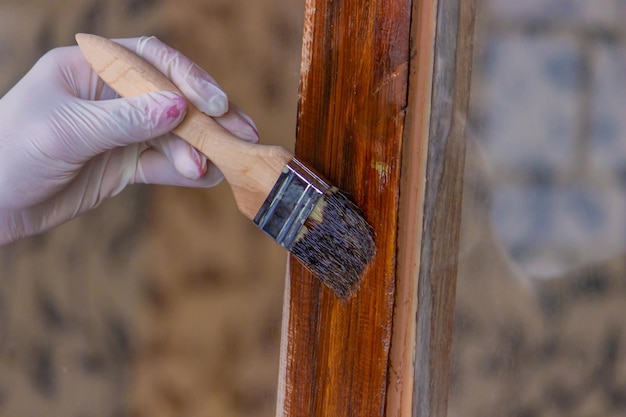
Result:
[{"x": 285, "y": 198}]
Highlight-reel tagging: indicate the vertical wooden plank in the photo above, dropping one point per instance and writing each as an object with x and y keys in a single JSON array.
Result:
[
  {"x": 442, "y": 208},
  {"x": 411, "y": 208},
  {"x": 430, "y": 207},
  {"x": 350, "y": 123},
  {"x": 355, "y": 89}
]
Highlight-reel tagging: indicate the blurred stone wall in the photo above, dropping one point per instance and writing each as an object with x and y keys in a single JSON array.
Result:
[
  {"x": 549, "y": 97},
  {"x": 541, "y": 296}
]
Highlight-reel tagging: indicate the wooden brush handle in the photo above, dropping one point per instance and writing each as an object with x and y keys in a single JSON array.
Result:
[{"x": 251, "y": 170}]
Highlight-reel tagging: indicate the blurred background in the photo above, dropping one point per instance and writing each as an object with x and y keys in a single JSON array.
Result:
[
  {"x": 541, "y": 296},
  {"x": 164, "y": 301},
  {"x": 167, "y": 302}
]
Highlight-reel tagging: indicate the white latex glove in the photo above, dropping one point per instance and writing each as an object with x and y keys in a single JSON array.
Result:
[{"x": 67, "y": 141}]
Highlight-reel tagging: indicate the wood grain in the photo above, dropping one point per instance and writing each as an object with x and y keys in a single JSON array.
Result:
[
  {"x": 442, "y": 205},
  {"x": 350, "y": 123},
  {"x": 411, "y": 209},
  {"x": 384, "y": 96},
  {"x": 430, "y": 207}
]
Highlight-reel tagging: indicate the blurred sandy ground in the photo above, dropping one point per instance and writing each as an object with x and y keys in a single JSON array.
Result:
[{"x": 164, "y": 301}]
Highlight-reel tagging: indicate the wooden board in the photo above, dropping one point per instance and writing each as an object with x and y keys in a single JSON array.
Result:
[
  {"x": 357, "y": 58},
  {"x": 430, "y": 207}
]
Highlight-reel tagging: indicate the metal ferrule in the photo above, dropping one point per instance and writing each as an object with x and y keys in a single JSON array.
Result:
[{"x": 290, "y": 203}]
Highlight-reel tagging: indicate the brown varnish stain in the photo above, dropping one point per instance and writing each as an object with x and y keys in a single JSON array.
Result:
[{"x": 351, "y": 112}]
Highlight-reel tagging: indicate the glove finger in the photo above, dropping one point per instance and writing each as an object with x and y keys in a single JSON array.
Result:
[
  {"x": 188, "y": 161},
  {"x": 239, "y": 124},
  {"x": 153, "y": 167},
  {"x": 191, "y": 163},
  {"x": 106, "y": 124},
  {"x": 199, "y": 87}
]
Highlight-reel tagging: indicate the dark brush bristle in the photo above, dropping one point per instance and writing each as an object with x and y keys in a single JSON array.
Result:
[{"x": 337, "y": 243}]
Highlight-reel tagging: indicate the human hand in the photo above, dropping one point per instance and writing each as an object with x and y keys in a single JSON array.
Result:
[{"x": 67, "y": 141}]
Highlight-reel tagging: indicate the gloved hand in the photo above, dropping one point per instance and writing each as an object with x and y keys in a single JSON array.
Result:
[{"x": 67, "y": 141}]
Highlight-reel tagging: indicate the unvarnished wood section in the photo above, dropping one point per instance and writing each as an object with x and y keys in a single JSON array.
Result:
[
  {"x": 350, "y": 124},
  {"x": 442, "y": 208},
  {"x": 411, "y": 210},
  {"x": 430, "y": 207}
]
